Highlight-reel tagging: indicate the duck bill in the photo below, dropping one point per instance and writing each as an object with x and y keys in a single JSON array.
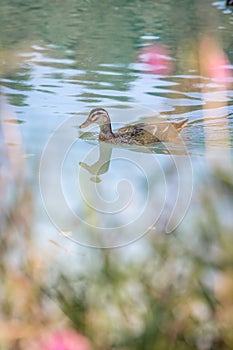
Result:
[{"x": 85, "y": 124}]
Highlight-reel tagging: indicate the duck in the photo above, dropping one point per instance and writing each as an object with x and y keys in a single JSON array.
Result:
[{"x": 140, "y": 134}]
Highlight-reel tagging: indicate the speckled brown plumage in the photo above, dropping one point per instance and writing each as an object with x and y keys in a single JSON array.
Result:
[{"x": 139, "y": 134}]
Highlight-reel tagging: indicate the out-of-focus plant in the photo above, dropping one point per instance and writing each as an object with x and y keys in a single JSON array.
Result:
[
  {"x": 26, "y": 310},
  {"x": 63, "y": 339},
  {"x": 156, "y": 59},
  {"x": 178, "y": 297}
]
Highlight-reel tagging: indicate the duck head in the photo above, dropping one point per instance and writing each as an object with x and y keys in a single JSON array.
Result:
[{"x": 98, "y": 116}]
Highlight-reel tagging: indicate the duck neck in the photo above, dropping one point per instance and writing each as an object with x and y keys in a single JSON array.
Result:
[{"x": 106, "y": 131}]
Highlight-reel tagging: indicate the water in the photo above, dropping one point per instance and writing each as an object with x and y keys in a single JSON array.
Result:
[{"x": 58, "y": 61}]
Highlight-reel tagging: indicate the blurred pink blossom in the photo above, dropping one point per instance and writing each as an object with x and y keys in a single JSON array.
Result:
[
  {"x": 157, "y": 59},
  {"x": 214, "y": 61},
  {"x": 65, "y": 340}
]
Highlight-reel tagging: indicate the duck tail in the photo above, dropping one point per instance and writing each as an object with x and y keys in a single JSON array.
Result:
[{"x": 179, "y": 126}]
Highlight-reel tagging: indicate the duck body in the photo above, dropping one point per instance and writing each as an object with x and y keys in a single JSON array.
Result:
[
  {"x": 141, "y": 134},
  {"x": 134, "y": 135}
]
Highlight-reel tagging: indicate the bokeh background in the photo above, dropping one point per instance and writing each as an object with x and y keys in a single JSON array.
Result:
[{"x": 59, "y": 59}]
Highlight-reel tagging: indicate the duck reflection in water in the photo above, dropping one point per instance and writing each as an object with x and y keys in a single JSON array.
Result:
[{"x": 101, "y": 166}]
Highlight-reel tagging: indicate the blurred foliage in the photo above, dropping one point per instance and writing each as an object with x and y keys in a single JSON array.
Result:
[{"x": 179, "y": 296}]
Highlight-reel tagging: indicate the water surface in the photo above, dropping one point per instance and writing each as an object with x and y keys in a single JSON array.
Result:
[{"x": 58, "y": 61}]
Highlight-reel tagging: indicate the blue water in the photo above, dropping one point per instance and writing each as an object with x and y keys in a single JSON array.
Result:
[{"x": 74, "y": 57}]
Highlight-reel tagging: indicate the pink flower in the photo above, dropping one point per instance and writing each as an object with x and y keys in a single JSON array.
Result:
[
  {"x": 65, "y": 340},
  {"x": 157, "y": 59},
  {"x": 214, "y": 62}
]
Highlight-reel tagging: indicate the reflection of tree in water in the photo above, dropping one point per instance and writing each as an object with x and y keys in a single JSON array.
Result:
[
  {"x": 101, "y": 38},
  {"x": 101, "y": 32},
  {"x": 19, "y": 84}
]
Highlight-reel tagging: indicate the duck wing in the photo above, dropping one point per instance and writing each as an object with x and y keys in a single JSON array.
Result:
[
  {"x": 165, "y": 131},
  {"x": 136, "y": 134},
  {"x": 130, "y": 128},
  {"x": 150, "y": 132}
]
